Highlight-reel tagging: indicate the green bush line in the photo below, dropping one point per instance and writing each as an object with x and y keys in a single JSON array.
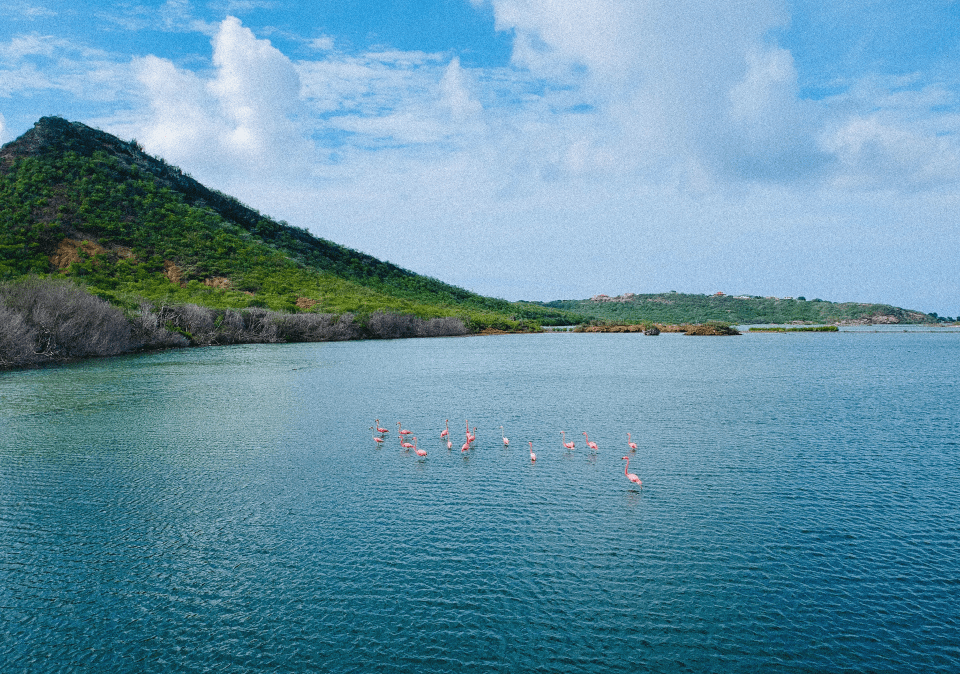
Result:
[
  {"x": 811, "y": 328},
  {"x": 677, "y": 308}
]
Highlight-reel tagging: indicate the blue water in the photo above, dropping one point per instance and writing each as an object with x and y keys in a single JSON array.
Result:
[{"x": 228, "y": 510}]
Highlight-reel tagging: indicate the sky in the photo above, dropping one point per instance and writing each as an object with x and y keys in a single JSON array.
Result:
[{"x": 545, "y": 149}]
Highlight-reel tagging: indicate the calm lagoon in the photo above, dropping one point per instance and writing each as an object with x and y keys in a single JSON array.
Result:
[{"x": 227, "y": 509}]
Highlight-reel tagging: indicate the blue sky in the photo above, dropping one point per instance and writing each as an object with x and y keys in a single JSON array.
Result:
[{"x": 549, "y": 149}]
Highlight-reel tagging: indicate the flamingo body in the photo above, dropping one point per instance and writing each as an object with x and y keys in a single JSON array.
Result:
[
  {"x": 563, "y": 440},
  {"x": 446, "y": 431},
  {"x": 506, "y": 442},
  {"x": 533, "y": 457},
  {"x": 631, "y": 476},
  {"x": 420, "y": 452},
  {"x": 631, "y": 445},
  {"x": 381, "y": 430},
  {"x": 591, "y": 445}
]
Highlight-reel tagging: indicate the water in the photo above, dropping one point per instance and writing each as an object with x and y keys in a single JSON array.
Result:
[{"x": 227, "y": 509}]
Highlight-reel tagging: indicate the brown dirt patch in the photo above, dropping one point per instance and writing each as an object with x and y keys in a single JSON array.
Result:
[{"x": 69, "y": 251}]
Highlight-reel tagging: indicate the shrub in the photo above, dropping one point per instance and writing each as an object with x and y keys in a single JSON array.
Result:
[{"x": 58, "y": 321}]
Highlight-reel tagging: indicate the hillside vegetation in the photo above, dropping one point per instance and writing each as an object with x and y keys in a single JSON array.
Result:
[
  {"x": 81, "y": 204},
  {"x": 675, "y": 308}
]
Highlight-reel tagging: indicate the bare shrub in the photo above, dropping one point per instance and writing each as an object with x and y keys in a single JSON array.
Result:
[
  {"x": 381, "y": 325},
  {"x": 249, "y": 326},
  {"x": 65, "y": 321},
  {"x": 150, "y": 332},
  {"x": 444, "y": 327},
  {"x": 317, "y": 327},
  {"x": 17, "y": 339}
]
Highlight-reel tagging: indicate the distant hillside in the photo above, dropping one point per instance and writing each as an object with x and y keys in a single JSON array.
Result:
[
  {"x": 676, "y": 308},
  {"x": 79, "y": 203}
]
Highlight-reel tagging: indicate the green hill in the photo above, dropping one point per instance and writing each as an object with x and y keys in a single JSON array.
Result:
[
  {"x": 79, "y": 203},
  {"x": 675, "y": 308}
]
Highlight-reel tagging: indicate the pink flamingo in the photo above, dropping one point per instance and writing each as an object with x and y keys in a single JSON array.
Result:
[
  {"x": 446, "y": 431},
  {"x": 473, "y": 436},
  {"x": 404, "y": 431},
  {"x": 631, "y": 476},
  {"x": 591, "y": 445},
  {"x": 533, "y": 457},
  {"x": 631, "y": 445},
  {"x": 405, "y": 444},
  {"x": 376, "y": 438},
  {"x": 465, "y": 447},
  {"x": 563, "y": 440},
  {"x": 381, "y": 430},
  {"x": 506, "y": 442},
  {"x": 449, "y": 444},
  {"x": 420, "y": 452}
]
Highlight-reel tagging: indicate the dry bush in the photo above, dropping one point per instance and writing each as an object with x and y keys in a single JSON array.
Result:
[
  {"x": 17, "y": 339},
  {"x": 317, "y": 327},
  {"x": 150, "y": 331},
  {"x": 60, "y": 321},
  {"x": 382, "y": 325}
]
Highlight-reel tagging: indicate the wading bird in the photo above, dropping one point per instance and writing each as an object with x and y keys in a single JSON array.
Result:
[
  {"x": 631, "y": 445},
  {"x": 420, "y": 452},
  {"x": 402, "y": 430},
  {"x": 533, "y": 457},
  {"x": 631, "y": 476},
  {"x": 376, "y": 438},
  {"x": 446, "y": 428},
  {"x": 591, "y": 445},
  {"x": 563, "y": 440},
  {"x": 506, "y": 442},
  {"x": 381, "y": 430}
]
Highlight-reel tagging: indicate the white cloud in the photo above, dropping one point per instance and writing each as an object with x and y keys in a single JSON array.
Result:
[
  {"x": 240, "y": 122},
  {"x": 629, "y": 146}
]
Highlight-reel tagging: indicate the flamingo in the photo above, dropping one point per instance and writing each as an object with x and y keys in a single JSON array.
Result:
[
  {"x": 631, "y": 476},
  {"x": 404, "y": 431},
  {"x": 506, "y": 442},
  {"x": 420, "y": 452},
  {"x": 563, "y": 440},
  {"x": 533, "y": 457},
  {"x": 405, "y": 444},
  {"x": 449, "y": 444},
  {"x": 465, "y": 447},
  {"x": 591, "y": 445},
  {"x": 631, "y": 445},
  {"x": 446, "y": 431},
  {"x": 376, "y": 438},
  {"x": 472, "y": 436},
  {"x": 381, "y": 430}
]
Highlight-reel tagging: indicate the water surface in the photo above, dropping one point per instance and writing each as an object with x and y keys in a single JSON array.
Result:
[{"x": 227, "y": 509}]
